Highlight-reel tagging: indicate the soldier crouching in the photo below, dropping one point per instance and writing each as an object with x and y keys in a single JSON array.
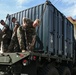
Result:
[{"x": 26, "y": 34}]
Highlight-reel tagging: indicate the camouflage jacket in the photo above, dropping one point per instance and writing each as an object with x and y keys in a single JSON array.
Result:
[
  {"x": 14, "y": 46},
  {"x": 26, "y": 37},
  {"x": 6, "y": 37}
]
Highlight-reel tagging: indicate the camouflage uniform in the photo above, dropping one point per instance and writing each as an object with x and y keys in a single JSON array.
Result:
[
  {"x": 14, "y": 46},
  {"x": 0, "y": 37},
  {"x": 6, "y": 37},
  {"x": 26, "y": 37}
]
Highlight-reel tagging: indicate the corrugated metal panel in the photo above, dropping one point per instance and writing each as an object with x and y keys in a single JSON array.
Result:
[
  {"x": 55, "y": 32},
  {"x": 60, "y": 33},
  {"x": 51, "y": 30},
  {"x": 70, "y": 40},
  {"x": 65, "y": 37}
]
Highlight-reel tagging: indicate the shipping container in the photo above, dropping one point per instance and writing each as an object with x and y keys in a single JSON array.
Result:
[
  {"x": 55, "y": 31},
  {"x": 54, "y": 52}
]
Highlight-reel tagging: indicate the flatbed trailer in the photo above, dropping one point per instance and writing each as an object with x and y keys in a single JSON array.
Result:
[{"x": 30, "y": 63}]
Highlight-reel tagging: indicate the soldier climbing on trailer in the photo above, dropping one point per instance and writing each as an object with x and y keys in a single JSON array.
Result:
[
  {"x": 14, "y": 46},
  {"x": 6, "y": 35},
  {"x": 26, "y": 34}
]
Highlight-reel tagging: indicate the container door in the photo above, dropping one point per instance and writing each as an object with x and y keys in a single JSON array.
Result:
[
  {"x": 71, "y": 40},
  {"x": 55, "y": 31},
  {"x": 65, "y": 37},
  {"x": 51, "y": 30},
  {"x": 60, "y": 34}
]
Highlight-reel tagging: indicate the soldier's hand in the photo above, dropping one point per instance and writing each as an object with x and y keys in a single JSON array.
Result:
[
  {"x": 3, "y": 36},
  {"x": 23, "y": 50},
  {"x": 31, "y": 47}
]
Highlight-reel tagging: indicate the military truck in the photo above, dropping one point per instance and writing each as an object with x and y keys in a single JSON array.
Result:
[{"x": 54, "y": 52}]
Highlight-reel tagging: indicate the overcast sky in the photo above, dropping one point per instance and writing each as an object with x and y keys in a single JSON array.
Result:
[{"x": 67, "y": 7}]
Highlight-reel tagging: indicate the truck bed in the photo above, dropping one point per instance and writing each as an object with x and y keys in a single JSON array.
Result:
[{"x": 11, "y": 58}]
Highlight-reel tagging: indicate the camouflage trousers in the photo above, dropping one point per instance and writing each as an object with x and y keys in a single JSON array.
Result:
[
  {"x": 4, "y": 47},
  {"x": 14, "y": 46}
]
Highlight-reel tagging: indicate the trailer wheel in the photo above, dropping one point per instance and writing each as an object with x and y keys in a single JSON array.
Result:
[
  {"x": 65, "y": 71},
  {"x": 49, "y": 70},
  {"x": 17, "y": 74},
  {"x": 52, "y": 71},
  {"x": 74, "y": 71}
]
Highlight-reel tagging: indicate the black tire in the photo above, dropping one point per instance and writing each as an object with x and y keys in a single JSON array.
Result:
[
  {"x": 4, "y": 73},
  {"x": 52, "y": 71},
  {"x": 48, "y": 70},
  {"x": 64, "y": 71},
  {"x": 17, "y": 74},
  {"x": 74, "y": 71}
]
